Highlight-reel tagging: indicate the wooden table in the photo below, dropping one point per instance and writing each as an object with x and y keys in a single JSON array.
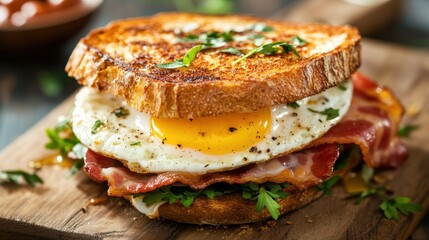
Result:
[{"x": 22, "y": 104}]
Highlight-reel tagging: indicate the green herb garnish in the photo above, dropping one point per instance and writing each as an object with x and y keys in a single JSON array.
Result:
[
  {"x": 269, "y": 49},
  {"x": 342, "y": 87},
  {"x": 261, "y": 27},
  {"x": 406, "y": 130},
  {"x": 15, "y": 176},
  {"x": 297, "y": 41},
  {"x": 61, "y": 137},
  {"x": 258, "y": 40},
  {"x": 404, "y": 205},
  {"x": 77, "y": 166},
  {"x": 330, "y": 113},
  {"x": 232, "y": 51},
  {"x": 265, "y": 195},
  {"x": 185, "y": 62},
  {"x": 97, "y": 126},
  {"x": 293, "y": 105},
  {"x": 326, "y": 186},
  {"x": 135, "y": 143},
  {"x": 121, "y": 112},
  {"x": 366, "y": 173},
  {"x": 390, "y": 205}
]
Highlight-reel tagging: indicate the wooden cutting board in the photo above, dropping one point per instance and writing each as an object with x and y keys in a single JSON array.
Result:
[{"x": 54, "y": 210}]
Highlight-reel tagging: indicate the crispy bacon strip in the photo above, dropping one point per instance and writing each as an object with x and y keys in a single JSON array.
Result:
[
  {"x": 371, "y": 123},
  {"x": 303, "y": 169}
]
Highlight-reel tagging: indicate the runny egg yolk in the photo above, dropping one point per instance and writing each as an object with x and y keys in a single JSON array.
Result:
[{"x": 214, "y": 135}]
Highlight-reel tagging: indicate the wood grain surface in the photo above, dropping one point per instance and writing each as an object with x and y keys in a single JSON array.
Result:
[{"x": 54, "y": 210}]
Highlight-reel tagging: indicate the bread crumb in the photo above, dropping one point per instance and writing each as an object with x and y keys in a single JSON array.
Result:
[
  {"x": 271, "y": 223},
  {"x": 244, "y": 226},
  {"x": 289, "y": 222},
  {"x": 308, "y": 219}
]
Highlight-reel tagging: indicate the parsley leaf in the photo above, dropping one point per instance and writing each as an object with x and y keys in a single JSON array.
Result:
[
  {"x": 330, "y": 113},
  {"x": 191, "y": 54},
  {"x": 79, "y": 151},
  {"x": 406, "y": 130},
  {"x": 297, "y": 41},
  {"x": 367, "y": 173},
  {"x": 265, "y": 195},
  {"x": 390, "y": 207},
  {"x": 97, "y": 126},
  {"x": 171, "y": 65},
  {"x": 326, "y": 186},
  {"x": 14, "y": 176},
  {"x": 269, "y": 49},
  {"x": 185, "y": 62},
  {"x": 342, "y": 87},
  {"x": 261, "y": 27},
  {"x": 258, "y": 40},
  {"x": 232, "y": 51},
  {"x": 135, "y": 144},
  {"x": 293, "y": 105},
  {"x": 77, "y": 166},
  {"x": 210, "y": 39},
  {"x": 61, "y": 137},
  {"x": 371, "y": 191},
  {"x": 266, "y": 200},
  {"x": 121, "y": 112}
]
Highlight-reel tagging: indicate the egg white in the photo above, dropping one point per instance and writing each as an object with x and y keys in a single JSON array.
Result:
[{"x": 129, "y": 138}]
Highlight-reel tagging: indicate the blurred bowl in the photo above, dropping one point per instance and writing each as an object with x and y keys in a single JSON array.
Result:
[{"x": 48, "y": 29}]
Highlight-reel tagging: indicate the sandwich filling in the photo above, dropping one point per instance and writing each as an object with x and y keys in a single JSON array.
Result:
[
  {"x": 208, "y": 144},
  {"x": 368, "y": 120}
]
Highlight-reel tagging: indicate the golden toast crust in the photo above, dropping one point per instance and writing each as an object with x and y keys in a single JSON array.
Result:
[{"x": 121, "y": 57}]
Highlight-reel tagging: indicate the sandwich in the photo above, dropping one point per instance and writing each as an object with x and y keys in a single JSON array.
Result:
[{"x": 226, "y": 119}]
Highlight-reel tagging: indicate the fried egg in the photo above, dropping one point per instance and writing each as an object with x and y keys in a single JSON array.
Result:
[{"x": 105, "y": 124}]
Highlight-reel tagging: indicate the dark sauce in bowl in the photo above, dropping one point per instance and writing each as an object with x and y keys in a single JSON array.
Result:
[{"x": 27, "y": 25}]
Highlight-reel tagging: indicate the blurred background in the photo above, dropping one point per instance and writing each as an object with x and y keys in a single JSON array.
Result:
[{"x": 37, "y": 37}]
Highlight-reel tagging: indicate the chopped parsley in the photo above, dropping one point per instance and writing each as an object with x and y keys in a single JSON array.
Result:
[
  {"x": 232, "y": 51},
  {"x": 265, "y": 195},
  {"x": 261, "y": 27},
  {"x": 77, "y": 166},
  {"x": 15, "y": 176},
  {"x": 97, "y": 126},
  {"x": 342, "y": 87},
  {"x": 135, "y": 143},
  {"x": 330, "y": 113},
  {"x": 63, "y": 139},
  {"x": 121, "y": 112},
  {"x": 270, "y": 49},
  {"x": 392, "y": 206},
  {"x": 297, "y": 41},
  {"x": 185, "y": 62},
  {"x": 210, "y": 40},
  {"x": 293, "y": 105},
  {"x": 326, "y": 186},
  {"x": 406, "y": 130}
]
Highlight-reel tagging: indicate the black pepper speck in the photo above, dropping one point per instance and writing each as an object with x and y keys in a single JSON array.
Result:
[{"x": 253, "y": 149}]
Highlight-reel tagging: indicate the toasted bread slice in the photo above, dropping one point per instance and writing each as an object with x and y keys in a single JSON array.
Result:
[
  {"x": 121, "y": 59},
  {"x": 231, "y": 208}
]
